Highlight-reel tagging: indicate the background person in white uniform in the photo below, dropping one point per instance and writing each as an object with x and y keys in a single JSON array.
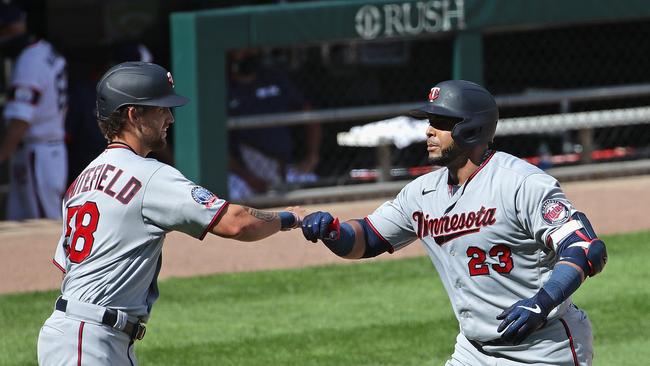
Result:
[{"x": 34, "y": 119}]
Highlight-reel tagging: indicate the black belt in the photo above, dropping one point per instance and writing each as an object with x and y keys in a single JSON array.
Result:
[
  {"x": 496, "y": 342},
  {"x": 479, "y": 345},
  {"x": 133, "y": 330}
]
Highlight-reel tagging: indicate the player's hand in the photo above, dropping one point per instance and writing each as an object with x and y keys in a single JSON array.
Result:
[
  {"x": 317, "y": 226},
  {"x": 524, "y": 317}
]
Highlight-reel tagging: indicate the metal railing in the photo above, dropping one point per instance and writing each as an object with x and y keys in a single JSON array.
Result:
[
  {"x": 536, "y": 97},
  {"x": 583, "y": 122}
]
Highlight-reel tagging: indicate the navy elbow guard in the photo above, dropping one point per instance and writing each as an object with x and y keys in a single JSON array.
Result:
[
  {"x": 576, "y": 242},
  {"x": 597, "y": 256}
]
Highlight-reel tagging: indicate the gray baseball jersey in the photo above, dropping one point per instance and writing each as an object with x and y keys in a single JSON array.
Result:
[
  {"x": 486, "y": 238},
  {"x": 117, "y": 214}
]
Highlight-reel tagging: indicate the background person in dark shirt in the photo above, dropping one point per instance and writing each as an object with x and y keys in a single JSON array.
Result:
[{"x": 261, "y": 158}]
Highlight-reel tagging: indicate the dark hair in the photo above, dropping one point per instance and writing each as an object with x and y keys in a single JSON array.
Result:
[{"x": 112, "y": 125}]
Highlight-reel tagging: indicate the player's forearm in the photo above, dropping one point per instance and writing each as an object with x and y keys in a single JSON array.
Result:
[
  {"x": 564, "y": 281},
  {"x": 350, "y": 243},
  {"x": 249, "y": 224},
  {"x": 257, "y": 224},
  {"x": 356, "y": 241}
]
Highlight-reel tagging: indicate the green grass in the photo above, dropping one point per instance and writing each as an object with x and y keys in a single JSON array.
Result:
[{"x": 374, "y": 313}]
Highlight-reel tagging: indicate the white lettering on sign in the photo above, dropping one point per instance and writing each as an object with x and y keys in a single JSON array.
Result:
[{"x": 410, "y": 18}]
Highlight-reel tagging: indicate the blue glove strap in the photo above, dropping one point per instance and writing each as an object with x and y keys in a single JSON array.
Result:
[
  {"x": 344, "y": 244},
  {"x": 564, "y": 281},
  {"x": 287, "y": 220}
]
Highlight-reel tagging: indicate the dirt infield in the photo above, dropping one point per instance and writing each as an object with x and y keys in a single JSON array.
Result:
[{"x": 613, "y": 206}]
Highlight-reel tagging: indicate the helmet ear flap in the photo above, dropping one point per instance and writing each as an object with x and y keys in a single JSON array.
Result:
[
  {"x": 469, "y": 133},
  {"x": 466, "y": 136}
]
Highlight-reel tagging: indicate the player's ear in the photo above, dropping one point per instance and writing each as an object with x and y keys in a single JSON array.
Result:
[
  {"x": 131, "y": 113},
  {"x": 135, "y": 114},
  {"x": 132, "y": 119}
]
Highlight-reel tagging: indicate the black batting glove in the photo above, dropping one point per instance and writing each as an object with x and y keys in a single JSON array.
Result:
[{"x": 524, "y": 317}]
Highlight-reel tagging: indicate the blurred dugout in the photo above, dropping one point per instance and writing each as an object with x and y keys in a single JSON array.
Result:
[{"x": 568, "y": 96}]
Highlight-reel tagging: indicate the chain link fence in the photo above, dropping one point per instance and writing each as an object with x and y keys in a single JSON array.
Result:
[{"x": 574, "y": 73}]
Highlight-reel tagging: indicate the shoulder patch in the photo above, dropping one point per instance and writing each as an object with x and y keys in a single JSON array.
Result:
[
  {"x": 203, "y": 196},
  {"x": 554, "y": 212}
]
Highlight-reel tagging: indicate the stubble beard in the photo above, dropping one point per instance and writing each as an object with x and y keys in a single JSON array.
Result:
[
  {"x": 155, "y": 141},
  {"x": 159, "y": 144},
  {"x": 448, "y": 155}
]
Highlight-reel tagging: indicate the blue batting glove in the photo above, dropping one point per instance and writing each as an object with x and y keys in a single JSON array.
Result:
[
  {"x": 316, "y": 226},
  {"x": 524, "y": 317}
]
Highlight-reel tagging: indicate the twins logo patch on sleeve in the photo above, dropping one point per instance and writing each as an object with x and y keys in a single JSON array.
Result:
[
  {"x": 203, "y": 196},
  {"x": 554, "y": 212}
]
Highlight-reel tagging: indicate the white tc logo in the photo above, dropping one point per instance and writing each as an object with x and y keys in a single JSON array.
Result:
[{"x": 434, "y": 93}]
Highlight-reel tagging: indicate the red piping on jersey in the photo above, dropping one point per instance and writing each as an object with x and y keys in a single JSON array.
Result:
[
  {"x": 58, "y": 266},
  {"x": 549, "y": 240},
  {"x": 390, "y": 247},
  {"x": 120, "y": 145},
  {"x": 484, "y": 163},
  {"x": 573, "y": 349},
  {"x": 214, "y": 221},
  {"x": 79, "y": 352}
]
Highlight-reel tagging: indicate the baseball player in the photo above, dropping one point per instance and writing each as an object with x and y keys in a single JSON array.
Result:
[
  {"x": 509, "y": 247},
  {"x": 116, "y": 215},
  {"x": 34, "y": 117}
]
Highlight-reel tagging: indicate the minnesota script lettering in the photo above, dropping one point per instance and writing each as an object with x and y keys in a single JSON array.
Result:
[{"x": 446, "y": 228}]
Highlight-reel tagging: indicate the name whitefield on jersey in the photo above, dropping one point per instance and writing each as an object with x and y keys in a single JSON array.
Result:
[
  {"x": 95, "y": 178},
  {"x": 446, "y": 228}
]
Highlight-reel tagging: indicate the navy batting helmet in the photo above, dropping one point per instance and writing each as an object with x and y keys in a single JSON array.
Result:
[
  {"x": 470, "y": 103},
  {"x": 136, "y": 83}
]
